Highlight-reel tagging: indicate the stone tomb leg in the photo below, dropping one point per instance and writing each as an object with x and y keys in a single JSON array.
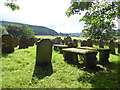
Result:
[
  {"x": 104, "y": 55},
  {"x": 69, "y": 56},
  {"x": 44, "y": 52},
  {"x": 90, "y": 59}
]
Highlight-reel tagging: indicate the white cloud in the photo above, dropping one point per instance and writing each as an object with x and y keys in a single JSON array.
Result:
[{"x": 49, "y": 13}]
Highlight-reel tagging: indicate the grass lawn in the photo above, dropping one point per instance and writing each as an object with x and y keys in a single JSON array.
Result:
[
  {"x": 18, "y": 68},
  {"x": 62, "y": 37}
]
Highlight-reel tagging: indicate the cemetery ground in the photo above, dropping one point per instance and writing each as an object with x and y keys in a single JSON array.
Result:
[{"x": 19, "y": 66}]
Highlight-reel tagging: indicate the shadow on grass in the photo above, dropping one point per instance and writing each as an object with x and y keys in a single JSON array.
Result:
[
  {"x": 4, "y": 54},
  {"x": 41, "y": 71},
  {"x": 109, "y": 78},
  {"x": 72, "y": 62},
  {"x": 116, "y": 54},
  {"x": 81, "y": 66}
]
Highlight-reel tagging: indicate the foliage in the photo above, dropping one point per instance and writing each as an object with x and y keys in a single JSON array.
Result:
[
  {"x": 18, "y": 68},
  {"x": 38, "y": 30},
  {"x": 98, "y": 18},
  {"x": 12, "y": 5},
  {"x": 17, "y": 30},
  {"x": 118, "y": 32},
  {"x": 27, "y": 31},
  {"x": 3, "y": 30}
]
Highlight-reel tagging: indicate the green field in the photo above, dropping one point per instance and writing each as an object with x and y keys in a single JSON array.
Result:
[
  {"x": 18, "y": 68},
  {"x": 52, "y": 37}
]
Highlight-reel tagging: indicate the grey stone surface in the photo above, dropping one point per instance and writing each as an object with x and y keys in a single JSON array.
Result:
[
  {"x": 7, "y": 43},
  {"x": 31, "y": 41},
  {"x": 84, "y": 43},
  {"x": 89, "y": 43},
  {"x": 118, "y": 47},
  {"x": 16, "y": 41},
  {"x": 23, "y": 42},
  {"x": 112, "y": 46},
  {"x": 101, "y": 45},
  {"x": 67, "y": 40},
  {"x": 44, "y": 51}
]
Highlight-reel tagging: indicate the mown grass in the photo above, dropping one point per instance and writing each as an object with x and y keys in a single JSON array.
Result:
[
  {"x": 18, "y": 69},
  {"x": 52, "y": 37}
]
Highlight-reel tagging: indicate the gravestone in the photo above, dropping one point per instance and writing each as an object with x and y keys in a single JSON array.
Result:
[
  {"x": 23, "y": 42},
  {"x": 57, "y": 40},
  {"x": 7, "y": 43},
  {"x": 67, "y": 40},
  {"x": 118, "y": 47},
  {"x": 101, "y": 45},
  {"x": 89, "y": 43},
  {"x": 84, "y": 43},
  {"x": 75, "y": 43},
  {"x": 44, "y": 52},
  {"x": 16, "y": 41},
  {"x": 70, "y": 44},
  {"x": 31, "y": 41},
  {"x": 112, "y": 46}
]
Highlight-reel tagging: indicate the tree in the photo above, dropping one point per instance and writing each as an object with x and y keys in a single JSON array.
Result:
[
  {"x": 17, "y": 30},
  {"x": 98, "y": 18},
  {"x": 27, "y": 31},
  {"x": 12, "y": 5},
  {"x": 3, "y": 30}
]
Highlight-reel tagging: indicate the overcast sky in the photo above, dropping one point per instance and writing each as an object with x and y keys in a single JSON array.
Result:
[{"x": 49, "y": 13}]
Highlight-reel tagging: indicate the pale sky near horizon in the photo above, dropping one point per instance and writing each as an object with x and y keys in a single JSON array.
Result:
[{"x": 48, "y": 13}]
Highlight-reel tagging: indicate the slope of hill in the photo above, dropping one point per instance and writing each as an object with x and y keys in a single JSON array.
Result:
[{"x": 38, "y": 30}]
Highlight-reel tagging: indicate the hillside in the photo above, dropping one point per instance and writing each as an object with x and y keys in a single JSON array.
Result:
[{"x": 38, "y": 30}]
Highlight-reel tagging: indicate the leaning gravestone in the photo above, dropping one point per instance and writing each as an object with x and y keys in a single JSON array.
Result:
[
  {"x": 23, "y": 42},
  {"x": 89, "y": 43},
  {"x": 118, "y": 47},
  {"x": 101, "y": 45},
  {"x": 16, "y": 41},
  {"x": 112, "y": 46},
  {"x": 31, "y": 41},
  {"x": 44, "y": 52},
  {"x": 75, "y": 42},
  {"x": 67, "y": 40},
  {"x": 84, "y": 43},
  {"x": 7, "y": 43}
]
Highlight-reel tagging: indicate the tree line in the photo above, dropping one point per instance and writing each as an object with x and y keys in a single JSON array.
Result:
[
  {"x": 17, "y": 30},
  {"x": 38, "y": 30}
]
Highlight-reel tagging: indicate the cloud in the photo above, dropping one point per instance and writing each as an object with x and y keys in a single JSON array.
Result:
[{"x": 49, "y": 13}]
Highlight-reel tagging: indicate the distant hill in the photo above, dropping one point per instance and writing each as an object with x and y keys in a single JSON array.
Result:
[
  {"x": 38, "y": 30},
  {"x": 72, "y": 34}
]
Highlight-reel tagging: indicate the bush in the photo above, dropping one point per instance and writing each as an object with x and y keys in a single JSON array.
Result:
[{"x": 17, "y": 30}]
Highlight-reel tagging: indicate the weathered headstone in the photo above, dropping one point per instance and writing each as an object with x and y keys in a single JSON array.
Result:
[
  {"x": 112, "y": 46},
  {"x": 84, "y": 43},
  {"x": 23, "y": 42},
  {"x": 75, "y": 42},
  {"x": 31, "y": 41},
  {"x": 7, "y": 43},
  {"x": 67, "y": 40},
  {"x": 89, "y": 43},
  {"x": 44, "y": 52},
  {"x": 118, "y": 47},
  {"x": 16, "y": 41},
  {"x": 101, "y": 45}
]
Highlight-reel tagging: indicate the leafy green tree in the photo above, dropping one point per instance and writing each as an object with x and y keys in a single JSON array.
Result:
[
  {"x": 3, "y": 30},
  {"x": 98, "y": 17},
  {"x": 12, "y": 5},
  {"x": 26, "y": 30},
  {"x": 17, "y": 30}
]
